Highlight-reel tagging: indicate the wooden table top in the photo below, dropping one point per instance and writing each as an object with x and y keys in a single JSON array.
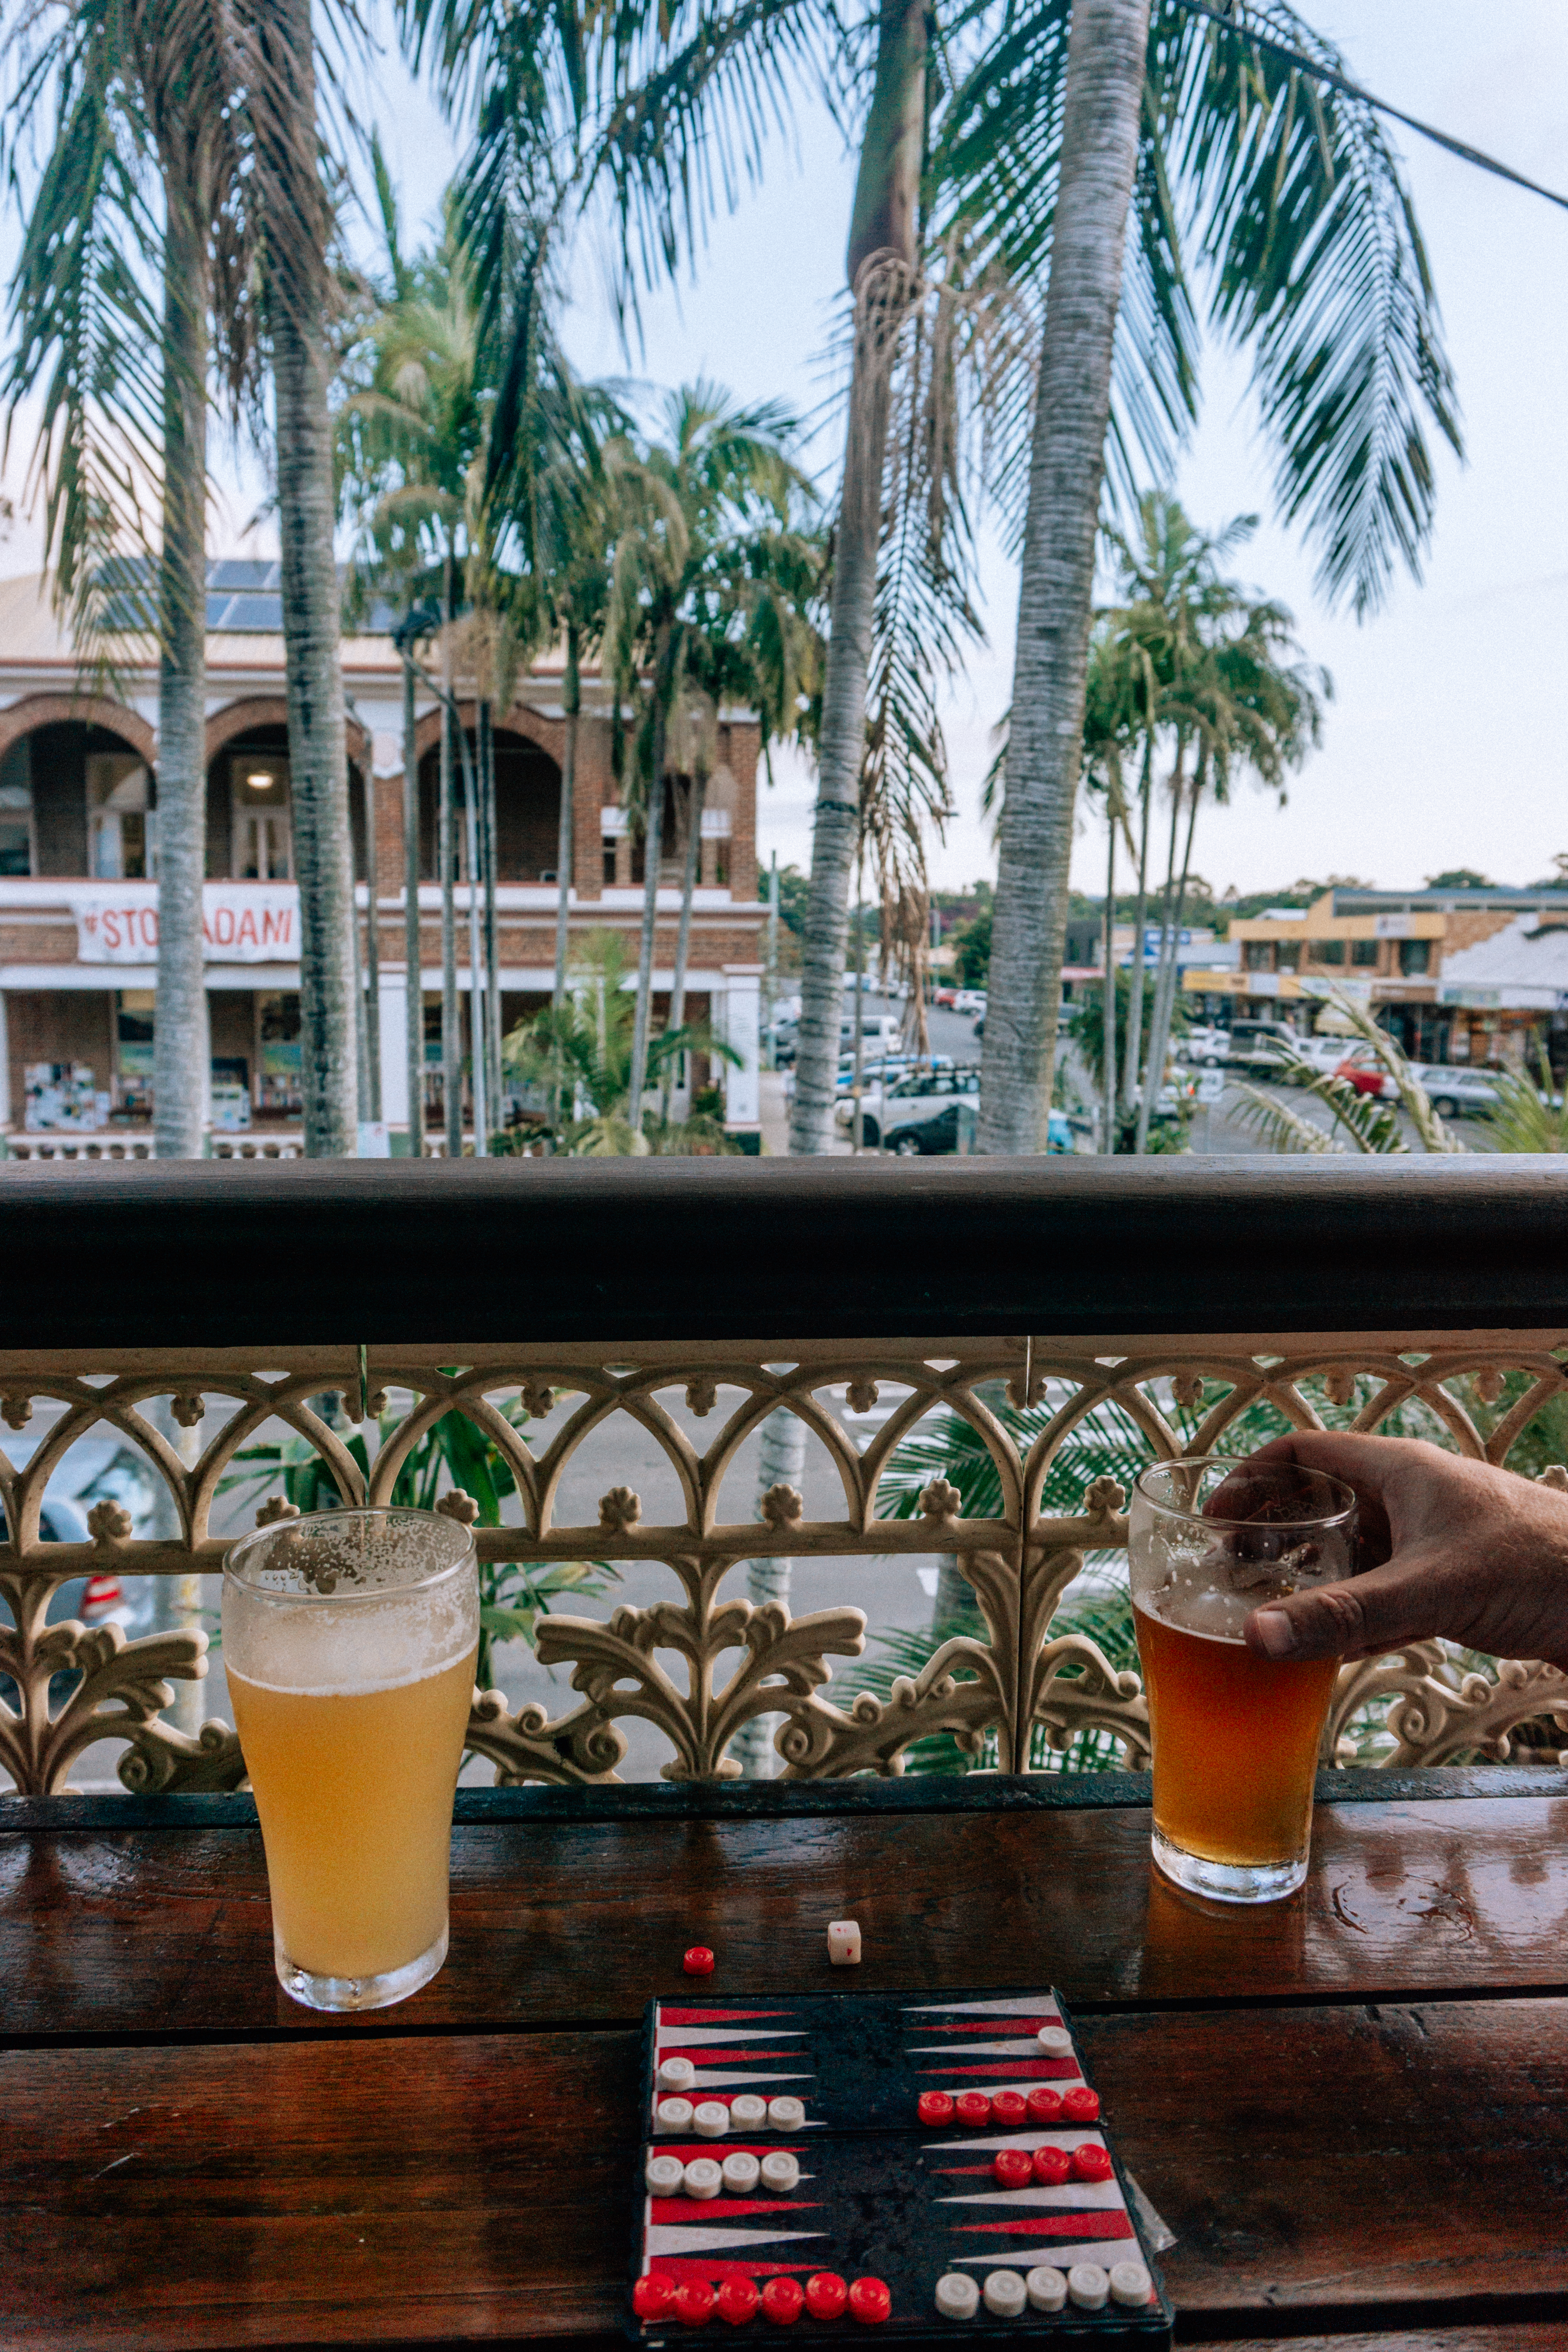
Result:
[{"x": 1352, "y": 2107}]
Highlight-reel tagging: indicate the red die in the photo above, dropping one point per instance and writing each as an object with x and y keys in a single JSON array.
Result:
[
  {"x": 738, "y": 2300},
  {"x": 974, "y": 2107},
  {"x": 1081, "y": 2105},
  {"x": 1044, "y": 2105},
  {"x": 869, "y": 2300},
  {"x": 1014, "y": 2166},
  {"x": 1052, "y": 2165},
  {"x": 698, "y": 1961},
  {"x": 936, "y": 2107},
  {"x": 1092, "y": 2162},
  {"x": 783, "y": 2301},
  {"x": 653, "y": 2297},
  {"x": 1008, "y": 2108},
  {"x": 825, "y": 2295},
  {"x": 694, "y": 2303}
]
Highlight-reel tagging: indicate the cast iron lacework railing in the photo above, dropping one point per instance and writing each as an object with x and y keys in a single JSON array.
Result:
[{"x": 702, "y": 1667}]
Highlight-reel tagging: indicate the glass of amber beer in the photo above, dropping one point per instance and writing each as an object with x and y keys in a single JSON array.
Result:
[
  {"x": 1235, "y": 1736},
  {"x": 349, "y": 1640}
]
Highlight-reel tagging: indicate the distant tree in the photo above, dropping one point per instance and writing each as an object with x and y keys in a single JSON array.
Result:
[
  {"x": 1461, "y": 877},
  {"x": 972, "y": 947},
  {"x": 795, "y": 892}
]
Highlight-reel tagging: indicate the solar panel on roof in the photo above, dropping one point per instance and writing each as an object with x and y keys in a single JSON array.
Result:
[{"x": 243, "y": 597}]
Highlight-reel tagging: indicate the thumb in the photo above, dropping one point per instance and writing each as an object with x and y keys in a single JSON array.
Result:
[{"x": 1380, "y": 1611}]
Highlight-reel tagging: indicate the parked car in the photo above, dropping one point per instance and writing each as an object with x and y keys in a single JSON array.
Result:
[
  {"x": 970, "y": 1000},
  {"x": 1260, "y": 1046},
  {"x": 883, "y": 1070},
  {"x": 1206, "y": 1048},
  {"x": 946, "y": 996},
  {"x": 1365, "y": 1073},
  {"x": 915, "y": 1113},
  {"x": 1456, "y": 1089},
  {"x": 1325, "y": 1053}
]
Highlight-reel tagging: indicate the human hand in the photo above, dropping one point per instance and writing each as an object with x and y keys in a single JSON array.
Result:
[{"x": 1460, "y": 1550}]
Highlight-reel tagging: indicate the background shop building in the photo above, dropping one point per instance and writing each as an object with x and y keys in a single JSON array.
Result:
[
  {"x": 79, "y": 828},
  {"x": 1431, "y": 965}
]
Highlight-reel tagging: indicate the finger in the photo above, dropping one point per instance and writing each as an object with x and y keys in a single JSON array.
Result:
[
  {"x": 1363, "y": 1463},
  {"x": 1380, "y": 1611}
]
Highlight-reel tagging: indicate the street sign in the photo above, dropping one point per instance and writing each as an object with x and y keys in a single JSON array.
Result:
[{"x": 1211, "y": 1086}]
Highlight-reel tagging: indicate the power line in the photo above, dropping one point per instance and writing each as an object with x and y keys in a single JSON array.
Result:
[{"x": 1234, "y": 23}]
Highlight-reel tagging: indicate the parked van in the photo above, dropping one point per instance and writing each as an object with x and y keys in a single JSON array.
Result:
[{"x": 879, "y": 1033}]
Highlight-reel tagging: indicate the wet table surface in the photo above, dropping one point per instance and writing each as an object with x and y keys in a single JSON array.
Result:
[{"x": 1350, "y": 2108}]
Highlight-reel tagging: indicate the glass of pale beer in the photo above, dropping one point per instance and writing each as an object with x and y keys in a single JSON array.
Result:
[
  {"x": 1235, "y": 1737},
  {"x": 349, "y": 1640}
]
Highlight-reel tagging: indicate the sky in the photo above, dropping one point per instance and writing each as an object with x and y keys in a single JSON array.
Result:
[{"x": 1444, "y": 745}]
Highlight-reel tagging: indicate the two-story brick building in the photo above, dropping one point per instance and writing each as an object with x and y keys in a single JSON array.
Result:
[
  {"x": 78, "y": 823},
  {"x": 1387, "y": 950}
]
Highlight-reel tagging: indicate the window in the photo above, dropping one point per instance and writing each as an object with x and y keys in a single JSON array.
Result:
[
  {"x": 119, "y": 817},
  {"x": 16, "y": 811},
  {"x": 1288, "y": 956},
  {"x": 1363, "y": 952},
  {"x": 263, "y": 828},
  {"x": 1415, "y": 956},
  {"x": 1259, "y": 956},
  {"x": 609, "y": 869},
  {"x": 1327, "y": 951}
]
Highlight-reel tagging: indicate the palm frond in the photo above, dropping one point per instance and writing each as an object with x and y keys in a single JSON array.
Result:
[{"x": 1296, "y": 201}]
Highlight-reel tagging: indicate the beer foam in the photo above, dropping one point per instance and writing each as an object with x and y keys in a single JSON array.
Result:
[
  {"x": 1204, "y": 1609},
  {"x": 314, "y": 1651}
]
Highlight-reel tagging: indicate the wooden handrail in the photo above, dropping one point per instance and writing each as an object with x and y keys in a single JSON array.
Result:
[{"x": 452, "y": 1256}]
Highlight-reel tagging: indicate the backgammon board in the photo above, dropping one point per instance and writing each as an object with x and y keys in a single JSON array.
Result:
[{"x": 888, "y": 2147}]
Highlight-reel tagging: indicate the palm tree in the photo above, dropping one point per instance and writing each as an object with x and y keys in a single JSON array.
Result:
[
  {"x": 593, "y": 1039},
  {"x": 1315, "y": 255},
  {"x": 1284, "y": 184},
  {"x": 1246, "y": 708},
  {"x": 143, "y": 166},
  {"x": 706, "y": 521},
  {"x": 294, "y": 223}
]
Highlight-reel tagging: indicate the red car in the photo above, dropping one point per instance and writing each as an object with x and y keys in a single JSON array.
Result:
[
  {"x": 1365, "y": 1073},
  {"x": 944, "y": 996}
]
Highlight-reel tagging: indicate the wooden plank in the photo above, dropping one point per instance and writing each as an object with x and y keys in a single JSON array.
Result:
[
  {"x": 107, "y": 1935},
  {"x": 1370, "y": 2170},
  {"x": 1351, "y": 2164},
  {"x": 916, "y": 1792},
  {"x": 464, "y": 2190},
  {"x": 1525, "y": 2336}
]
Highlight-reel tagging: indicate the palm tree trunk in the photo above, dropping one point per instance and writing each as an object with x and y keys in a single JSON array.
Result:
[
  {"x": 1108, "y": 991},
  {"x": 653, "y": 831},
  {"x": 479, "y": 1020},
  {"x": 181, "y": 1060},
  {"x": 372, "y": 947},
  {"x": 571, "y": 699},
  {"x": 1160, "y": 1037},
  {"x": 451, "y": 1018},
  {"x": 1153, "y": 1071},
  {"x": 883, "y": 230},
  {"x": 781, "y": 1462},
  {"x": 361, "y": 1039},
  {"x": 1134, "y": 1047},
  {"x": 492, "y": 942},
  {"x": 1100, "y": 152},
  {"x": 413, "y": 949},
  {"x": 695, "y": 798},
  {"x": 318, "y": 751}
]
